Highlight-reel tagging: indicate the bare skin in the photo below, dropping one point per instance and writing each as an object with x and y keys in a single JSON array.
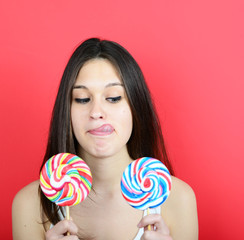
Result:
[{"x": 110, "y": 220}]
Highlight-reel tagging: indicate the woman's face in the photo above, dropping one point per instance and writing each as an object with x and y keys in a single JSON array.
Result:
[{"x": 100, "y": 113}]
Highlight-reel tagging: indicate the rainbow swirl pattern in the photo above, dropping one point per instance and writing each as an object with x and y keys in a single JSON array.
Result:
[
  {"x": 146, "y": 183},
  {"x": 66, "y": 179}
]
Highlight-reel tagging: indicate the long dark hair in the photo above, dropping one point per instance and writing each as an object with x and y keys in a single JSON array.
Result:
[{"x": 146, "y": 138}]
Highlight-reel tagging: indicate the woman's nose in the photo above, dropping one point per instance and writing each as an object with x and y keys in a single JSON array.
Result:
[{"x": 97, "y": 111}]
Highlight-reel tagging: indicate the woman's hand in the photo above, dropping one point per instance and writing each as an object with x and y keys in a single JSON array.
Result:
[
  {"x": 59, "y": 231},
  {"x": 159, "y": 230}
]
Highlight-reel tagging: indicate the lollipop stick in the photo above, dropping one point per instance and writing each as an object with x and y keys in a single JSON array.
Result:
[
  {"x": 67, "y": 212},
  {"x": 67, "y": 217},
  {"x": 149, "y": 226}
]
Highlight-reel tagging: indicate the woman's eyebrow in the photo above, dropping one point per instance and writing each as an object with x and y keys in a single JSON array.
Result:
[
  {"x": 80, "y": 86},
  {"x": 108, "y": 85},
  {"x": 114, "y": 84}
]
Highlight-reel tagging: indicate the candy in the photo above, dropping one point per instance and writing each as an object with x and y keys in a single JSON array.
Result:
[
  {"x": 146, "y": 183},
  {"x": 65, "y": 179}
]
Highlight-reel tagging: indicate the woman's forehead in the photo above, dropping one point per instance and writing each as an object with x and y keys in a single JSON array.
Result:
[{"x": 98, "y": 71}]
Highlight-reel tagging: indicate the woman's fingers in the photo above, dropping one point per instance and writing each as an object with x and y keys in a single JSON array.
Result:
[
  {"x": 71, "y": 237},
  {"x": 153, "y": 235},
  {"x": 157, "y": 223},
  {"x": 60, "y": 229}
]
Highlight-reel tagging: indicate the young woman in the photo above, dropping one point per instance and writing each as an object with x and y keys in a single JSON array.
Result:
[{"x": 104, "y": 114}]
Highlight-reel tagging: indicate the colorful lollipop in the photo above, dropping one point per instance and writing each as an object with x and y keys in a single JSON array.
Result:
[
  {"x": 146, "y": 183},
  {"x": 65, "y": 179}
]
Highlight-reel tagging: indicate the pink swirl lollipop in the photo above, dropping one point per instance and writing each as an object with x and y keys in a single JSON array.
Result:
[
  {"x": 146, "y": 183},
  {"x": 65, "y": 179}
]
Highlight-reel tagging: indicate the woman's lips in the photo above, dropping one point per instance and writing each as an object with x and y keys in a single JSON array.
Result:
[{"x": 104, "y": 130}]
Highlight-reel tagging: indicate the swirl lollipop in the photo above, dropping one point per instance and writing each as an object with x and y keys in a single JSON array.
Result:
[
  {"x": 146, "y": 183},
  {"x": 66, "y": 180}
]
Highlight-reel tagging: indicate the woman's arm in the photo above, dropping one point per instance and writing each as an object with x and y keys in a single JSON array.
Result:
[
  {"x": 27, "y": 221},
  {"x": 26, "y": 214},
  {"x": 180, "y": 211}
]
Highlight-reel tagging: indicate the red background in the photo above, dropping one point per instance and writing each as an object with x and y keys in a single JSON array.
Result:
[{"x": 192, "y": 55}]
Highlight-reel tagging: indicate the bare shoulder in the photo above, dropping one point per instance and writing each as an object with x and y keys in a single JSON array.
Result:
[
  {"x": 26, "y": 214},
  {"x": 26, "y": 197},
  {"x": 180, "y": 211},
  {"x": 28, "y": 189},
  {"x": 182, "y": 192}
]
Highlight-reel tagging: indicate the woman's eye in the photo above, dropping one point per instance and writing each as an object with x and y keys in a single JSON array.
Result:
[
  {"x": 82, "y": 100},
  {"x": 114, "y": 99}
]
